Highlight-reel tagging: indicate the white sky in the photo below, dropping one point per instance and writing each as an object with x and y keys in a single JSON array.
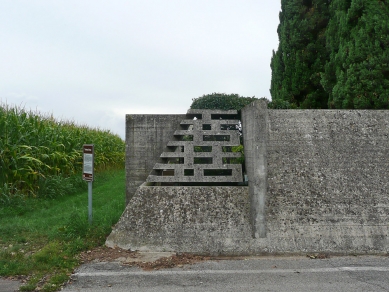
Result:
[{"x": 93, "y": 61}]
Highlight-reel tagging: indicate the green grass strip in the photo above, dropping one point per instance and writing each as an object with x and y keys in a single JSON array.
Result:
[{"x": 41, "y": 238}]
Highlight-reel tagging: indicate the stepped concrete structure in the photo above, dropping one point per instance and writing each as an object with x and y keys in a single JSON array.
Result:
[
  {"x": 318, "y": 181},
  {"x": 201, "y": 150}
]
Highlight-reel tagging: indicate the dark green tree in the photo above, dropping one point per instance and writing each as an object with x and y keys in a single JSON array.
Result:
[
  {"x": 301, "y": 55},
  {"x": 357, "y": 73},
  {"x": 335, "y": 32}
]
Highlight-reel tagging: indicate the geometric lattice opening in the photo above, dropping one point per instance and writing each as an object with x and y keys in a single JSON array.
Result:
[
  {"x": 216, "y": 138},
  {"x": 202, "y": 148},
  {"x": 217, "y": 172},
  {"x": 200, "y": 152},
  {"x": 189, "y": 172},
  {"x": 203, "y": 160}
]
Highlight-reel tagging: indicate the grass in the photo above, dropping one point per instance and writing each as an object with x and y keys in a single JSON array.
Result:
[{"x": 41, "y": 237}]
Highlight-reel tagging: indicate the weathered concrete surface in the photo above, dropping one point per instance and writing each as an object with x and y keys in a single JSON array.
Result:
[
  {"x": 255, "y": 129},
  {"x": 215, "y": 220},
  {"x": 328, "y": 176},
  {"x": 206, "y": 220},
  {"x": 146, "y": 138},
  {"x": 328, "y": 191}
]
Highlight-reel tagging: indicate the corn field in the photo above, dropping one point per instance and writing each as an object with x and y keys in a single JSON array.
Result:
[{"x": 35, "y": 148}]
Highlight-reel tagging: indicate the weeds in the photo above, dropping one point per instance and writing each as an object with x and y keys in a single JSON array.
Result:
[{"x": 9, "y": 195}]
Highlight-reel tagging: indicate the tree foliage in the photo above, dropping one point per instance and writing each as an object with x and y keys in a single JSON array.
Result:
[
  {"x": 357, "y": 72},
  {"x": 332, "y": 53},
  {"x": 221, "y": 101},
  {"x": 301, "y": 54}
]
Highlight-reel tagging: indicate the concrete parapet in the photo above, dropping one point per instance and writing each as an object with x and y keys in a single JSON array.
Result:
[{"x": 146, "y": 138}]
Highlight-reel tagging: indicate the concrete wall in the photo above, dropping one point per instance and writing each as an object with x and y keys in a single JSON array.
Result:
[
  {"x": 328, "y": 179},
  {"x": 146, "y": 139},
  {"x": 205, "y": 220},
  {"x": 327, "y": 191}
]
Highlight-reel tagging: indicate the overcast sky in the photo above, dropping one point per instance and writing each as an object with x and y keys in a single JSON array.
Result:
[{"x": 94, "y": 61}]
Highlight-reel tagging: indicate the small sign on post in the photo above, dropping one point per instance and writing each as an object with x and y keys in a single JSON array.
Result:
[
  {"x": 87, "y": 169},
  {"x": 87, "y": 174}
]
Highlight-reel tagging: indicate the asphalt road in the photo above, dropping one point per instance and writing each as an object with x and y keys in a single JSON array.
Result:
[
  {"x": 365, "y": 273},
  {"x": 8, "y": 285}
]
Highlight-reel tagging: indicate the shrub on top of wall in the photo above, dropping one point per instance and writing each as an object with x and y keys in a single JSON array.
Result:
[{"x": 221, "y": 101}]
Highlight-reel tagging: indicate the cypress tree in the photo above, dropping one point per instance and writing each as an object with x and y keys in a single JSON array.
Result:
[
  {"x": 277, "y": 73},
  {"x": 301, "y": 54},
  {"x": 357, "y": 73},
  {"x": 335, "y": 32}
]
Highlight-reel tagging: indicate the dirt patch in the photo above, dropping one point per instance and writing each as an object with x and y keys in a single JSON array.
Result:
[
  {"x": 320, "y": 256},
  {"x": 177, "y": 260},
  {"x": 144, "y": 260},
  {"x": 106, "y": 254}
]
